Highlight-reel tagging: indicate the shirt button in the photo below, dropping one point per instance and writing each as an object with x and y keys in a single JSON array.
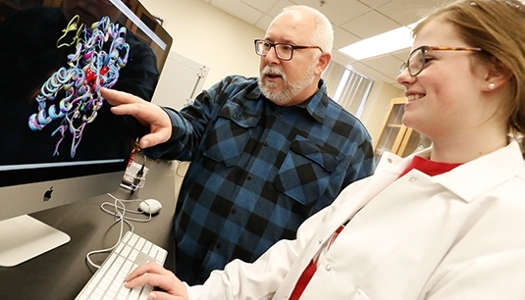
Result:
[
  {"x": 328, "y": 267},
  {"x": 235, "y": 116},
  {"x": 234, "y": 210},
  {"x": 389, "y": 160},
  {"x": 250, "y": 177},
  {"x": 266, "y": 143},
  {"x": 412, "y": 179}
]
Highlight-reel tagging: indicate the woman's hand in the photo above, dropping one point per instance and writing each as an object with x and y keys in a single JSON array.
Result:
[{"x": 155, "y": 275}]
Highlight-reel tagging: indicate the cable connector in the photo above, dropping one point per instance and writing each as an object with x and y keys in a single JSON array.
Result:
[{"x": 137, "y": 179}]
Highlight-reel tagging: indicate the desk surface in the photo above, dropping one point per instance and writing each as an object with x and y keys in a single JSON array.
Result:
[{"x": 61, "y": 273}]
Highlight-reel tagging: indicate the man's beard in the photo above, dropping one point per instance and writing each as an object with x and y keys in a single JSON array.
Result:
[{"x": 289, "y": 90}]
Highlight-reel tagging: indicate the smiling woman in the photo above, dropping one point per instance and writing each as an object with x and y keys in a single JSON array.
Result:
[{"x": 443, "y": 109}]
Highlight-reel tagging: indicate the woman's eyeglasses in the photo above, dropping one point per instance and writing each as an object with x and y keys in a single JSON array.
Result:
[{"x": 416, "y": 60}]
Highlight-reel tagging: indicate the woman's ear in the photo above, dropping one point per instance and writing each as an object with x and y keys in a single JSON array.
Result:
[{"x": 497, "y": 75}]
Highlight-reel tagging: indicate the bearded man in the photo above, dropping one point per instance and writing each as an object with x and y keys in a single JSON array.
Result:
[{"x": 266, "y": 153}]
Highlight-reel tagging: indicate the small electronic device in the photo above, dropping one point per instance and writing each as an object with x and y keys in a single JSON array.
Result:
[
  {"x": 108, "y": 281},
  {"x": 61, "y": 143},
  {"x": 135, "y": 176},
  {"x": 150, "y": 206}
]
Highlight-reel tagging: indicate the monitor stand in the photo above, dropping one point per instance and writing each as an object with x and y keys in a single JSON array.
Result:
[{"x": 24, "y": 237}]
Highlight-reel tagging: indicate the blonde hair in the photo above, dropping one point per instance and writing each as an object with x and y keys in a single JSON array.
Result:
[{"x": 497, "y": 27}]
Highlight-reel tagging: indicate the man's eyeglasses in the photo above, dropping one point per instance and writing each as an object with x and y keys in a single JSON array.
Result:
[
  {"x": 284, "y": 51},
  {"x": 416, "y": 60}
]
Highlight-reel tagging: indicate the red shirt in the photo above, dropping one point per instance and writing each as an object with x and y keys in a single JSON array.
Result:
[{"x": 429, "y": 167}]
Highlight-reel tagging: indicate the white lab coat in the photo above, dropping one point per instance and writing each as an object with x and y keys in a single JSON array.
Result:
[{"x": 458, "y": 235}]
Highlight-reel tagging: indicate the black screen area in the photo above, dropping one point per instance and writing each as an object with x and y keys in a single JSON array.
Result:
[{"x": 54, "y": 58}]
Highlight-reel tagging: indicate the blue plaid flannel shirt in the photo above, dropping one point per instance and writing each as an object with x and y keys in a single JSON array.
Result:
[{"x": 257, "y": 170}]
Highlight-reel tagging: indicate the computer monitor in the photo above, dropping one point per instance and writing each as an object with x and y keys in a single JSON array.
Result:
[{"x": 60, "y": 142}]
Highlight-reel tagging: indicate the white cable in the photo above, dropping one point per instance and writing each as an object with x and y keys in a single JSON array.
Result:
[
  {"x": 125, "y": 210},
  {"x": 119, "y": 214}
]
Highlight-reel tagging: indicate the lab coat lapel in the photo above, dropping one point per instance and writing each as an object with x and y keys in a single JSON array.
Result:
[
  {"x": 356, "y": 196},
  {"x": 348, "y": 203}
]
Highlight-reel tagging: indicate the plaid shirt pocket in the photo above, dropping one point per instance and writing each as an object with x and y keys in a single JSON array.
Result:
[
  {"x": 227, "y": 140},
  {"x": 305, "y": 172}
]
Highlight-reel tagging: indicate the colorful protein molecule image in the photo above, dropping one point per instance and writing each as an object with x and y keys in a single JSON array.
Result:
[{"x": 72, "y": 94}]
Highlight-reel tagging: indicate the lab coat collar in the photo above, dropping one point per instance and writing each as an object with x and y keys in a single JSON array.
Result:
[{"x": 473, "y": 178}]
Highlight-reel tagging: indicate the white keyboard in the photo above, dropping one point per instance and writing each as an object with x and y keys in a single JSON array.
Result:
[{"x": 108, "y": 281}]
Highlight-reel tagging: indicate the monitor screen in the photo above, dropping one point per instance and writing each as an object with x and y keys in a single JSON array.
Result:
[{"x": 60, "y": 142}]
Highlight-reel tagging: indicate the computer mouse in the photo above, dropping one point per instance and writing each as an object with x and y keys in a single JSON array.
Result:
[{"x": 150, "y": 206}]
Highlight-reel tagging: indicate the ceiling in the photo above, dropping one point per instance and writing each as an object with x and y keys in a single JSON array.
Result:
[{"x": 353, "y": 20}]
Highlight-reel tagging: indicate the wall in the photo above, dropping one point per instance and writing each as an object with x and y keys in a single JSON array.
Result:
[
  {"x": 209, "y": 36},
  {"x": 224, "y": 43}
]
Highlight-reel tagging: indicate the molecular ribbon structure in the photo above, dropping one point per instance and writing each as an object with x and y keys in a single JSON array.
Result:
[{"x": 72, "y": 93}]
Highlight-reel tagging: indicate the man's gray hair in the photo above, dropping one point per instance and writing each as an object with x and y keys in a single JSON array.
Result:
[{"x": 324, "y": 33}]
